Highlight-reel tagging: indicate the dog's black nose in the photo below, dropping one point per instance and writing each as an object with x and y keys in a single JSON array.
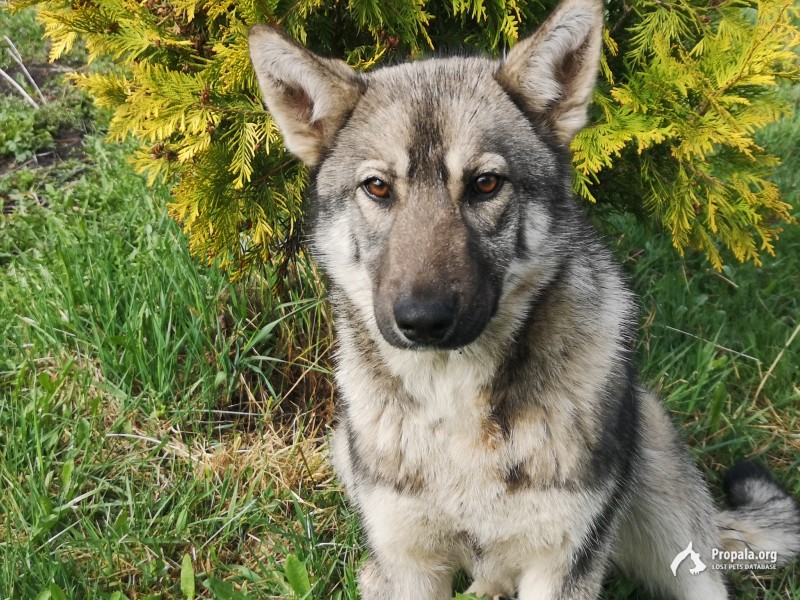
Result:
[{"x": 425, "y": 320}]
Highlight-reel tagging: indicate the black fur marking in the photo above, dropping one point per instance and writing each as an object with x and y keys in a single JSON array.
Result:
[
  {"x": 359, "y": 466},
  {"x": 517, "y": 478},
  {"x": 521, "y": 250},
  {"x": 600, "y": 534},
  {"x": 425, "y": 153},
  {"x": 611, "y": 455},
  {"x": 734, "y": 484},
  {"x": 409, "y": 483},
  {"x": 736, "y": 488},
  {"x": 472, "y": 543},
  {"x": 505, "y": 222},
  {"x": 613, "y": 458},
  {"x": 356, "y": 249},
  {"x": 545, "y": 182},
  {"x": 514, "y": 374}
]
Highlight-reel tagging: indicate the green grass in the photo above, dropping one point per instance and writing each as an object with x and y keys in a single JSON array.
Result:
[
  {"x": 129, "y": 441},
  {"x": 126, "y": 432},
  {"x": 25, "y": 33},
  {"x": 163, "y": 429}
]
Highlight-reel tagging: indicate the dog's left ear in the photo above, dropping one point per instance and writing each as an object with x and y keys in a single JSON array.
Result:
[
  {"x": 552, "y": 72},
  {"x": 308, "y": 96}
]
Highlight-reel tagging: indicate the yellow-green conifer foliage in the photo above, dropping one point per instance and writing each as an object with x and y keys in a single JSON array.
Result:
[{"x": 686, "y": 84}]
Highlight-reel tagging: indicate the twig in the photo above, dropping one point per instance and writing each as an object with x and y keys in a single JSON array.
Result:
[
  {"x": 272, "y": 172},
  {"x": 18, "y": 87},
  {"x": 292, "y": 8},
  {"x": 12, "y": 50},
  {"x": 775, "y": 362},
  {"x": 697, "y": 337},
  {"x": 726, "y": 280},
  {"x": 134, "y": 437},
  {"x": 627, "y": 8}
]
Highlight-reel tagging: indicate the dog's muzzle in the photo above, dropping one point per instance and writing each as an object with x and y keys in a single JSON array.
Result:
[{"x": 428, "y": 320}]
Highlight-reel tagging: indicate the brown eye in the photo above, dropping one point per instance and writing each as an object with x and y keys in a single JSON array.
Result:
[
  {"x": 377, "y": 188},
  {"x": 486, "y": 183}
]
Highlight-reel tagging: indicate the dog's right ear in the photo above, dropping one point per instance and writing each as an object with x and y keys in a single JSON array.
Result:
[{"x": 308, "y": 96}]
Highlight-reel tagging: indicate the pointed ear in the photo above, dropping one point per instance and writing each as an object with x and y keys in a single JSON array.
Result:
[
  {"x": 309, "y": 96},
  {"x": 552, "y": 72}
]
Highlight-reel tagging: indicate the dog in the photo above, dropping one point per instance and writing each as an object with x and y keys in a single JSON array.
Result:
[{"x": 491, "y": 417}]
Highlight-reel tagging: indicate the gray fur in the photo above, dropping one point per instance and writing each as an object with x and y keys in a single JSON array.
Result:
[{"x": 510, "y": 438}]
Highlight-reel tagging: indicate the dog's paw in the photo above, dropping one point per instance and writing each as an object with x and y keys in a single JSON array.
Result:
[
  {"x": 491, "y": 590},
  {"x": 371, "y": 582}
]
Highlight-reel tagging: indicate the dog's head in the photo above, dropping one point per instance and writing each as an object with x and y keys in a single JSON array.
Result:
[{"x": 435, "y": 179}]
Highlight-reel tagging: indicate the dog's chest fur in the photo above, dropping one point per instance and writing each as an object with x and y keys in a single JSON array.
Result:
[{"x": 422, "y": 440}]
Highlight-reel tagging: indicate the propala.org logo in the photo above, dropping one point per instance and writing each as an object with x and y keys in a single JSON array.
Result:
[{"x": 699, "y": 565}]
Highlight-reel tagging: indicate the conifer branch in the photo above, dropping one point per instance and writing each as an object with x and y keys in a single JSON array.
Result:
[
  {"x": 272, "y": 172},
  {"x": 672, "y": 136}
]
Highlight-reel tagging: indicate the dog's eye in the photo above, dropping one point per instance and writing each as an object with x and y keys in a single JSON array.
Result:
[
  {"x": 377, "y": 188},
  {"x": 486, "y": 184}
]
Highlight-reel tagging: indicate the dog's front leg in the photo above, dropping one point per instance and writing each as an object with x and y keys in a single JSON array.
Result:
[
  {"x": 563, "y": 579},
  {"x": 412, "y": 548},
  {"x": 402, "y": 578}
]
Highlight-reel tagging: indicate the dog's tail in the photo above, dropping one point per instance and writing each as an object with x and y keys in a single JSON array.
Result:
[{"x": 763, "y": 523}]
